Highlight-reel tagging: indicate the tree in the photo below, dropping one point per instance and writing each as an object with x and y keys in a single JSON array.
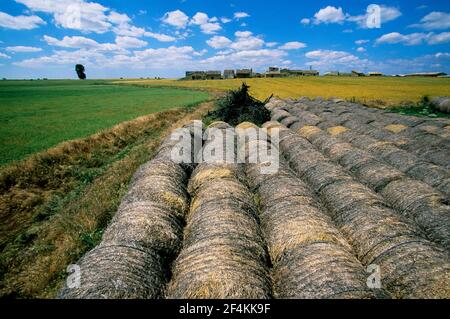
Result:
[{"x": 79, "y": 68}]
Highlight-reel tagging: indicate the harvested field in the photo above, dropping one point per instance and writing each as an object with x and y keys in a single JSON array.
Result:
[{"x": 351, "y": 194}]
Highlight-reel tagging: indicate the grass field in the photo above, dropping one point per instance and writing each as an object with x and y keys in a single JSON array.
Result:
[
  {"x": 383, "y": 91},
  {"x": 36, "y": 115}
]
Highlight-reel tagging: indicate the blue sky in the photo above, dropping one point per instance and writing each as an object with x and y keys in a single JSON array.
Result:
[{"x": 116, "y": 38}]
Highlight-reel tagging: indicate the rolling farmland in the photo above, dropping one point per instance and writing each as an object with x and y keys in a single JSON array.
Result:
[{"x": 356, "y": 187}]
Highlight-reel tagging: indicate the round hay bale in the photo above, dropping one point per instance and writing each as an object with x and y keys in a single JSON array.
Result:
[
  {"x": 422, "y": 204},
  {"x": 148, "y": 226},
  {"x": 441, "y": 103},
  {"x": 246, "y": 125},
  {"x": 337, "y": 130},
  {"x": 289, "y": 121},
  {"x": 119, "y": 272},
  {"x": 159, "y": 189},
  {"x": 219, "y": 125},
  {"x": 300, "y": 275},
  {"x": 279, "y": 115},
  {"x": 373, "y": 228},
  {"x": 272, "y": 124},
  {"x": 215, "y": 270}
]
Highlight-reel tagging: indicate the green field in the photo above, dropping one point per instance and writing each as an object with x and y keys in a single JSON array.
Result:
[{"x": 36, "y": 115}]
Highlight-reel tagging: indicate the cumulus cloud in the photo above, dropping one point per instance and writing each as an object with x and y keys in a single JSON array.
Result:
[
  {"x": 20, "y": 22},
  {"x": 295, "y": 45},
  {"x": 176, "y": 18},
  {"x": 434, "y": 21},
  {"x": 79, "y": 42},
  {"x": 387, "y": 14},
  {"x": 359, "y": 42},
  {"x": 329, "y": 14},
  {"x": 361, "y": 50},
  {"x": 159, "y": 36},
  {"x": 77, "y": 15},
  {"x": 305, "y": 21},
  {"x": 207, "y": 25},
  {"x": 23, "y": 49},
  {"x": 414, "y": 38},
  {"x": 241, "y": 15},
  {"x": 4, "y": 56},
  {"x": 219, "y": 42},
  {"x": 329, "y": 60}
]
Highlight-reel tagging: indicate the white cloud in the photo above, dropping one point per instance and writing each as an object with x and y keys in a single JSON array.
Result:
[
  {"x": 241, "y": 15},
  {"x": 23, "y": 49},
  {"x": 4, "y": 56},
  {"x": 200, "y": 18},
  {"x": 78, "y": 42},
  {"x": 359, "y": 42},
  {"x": 434, "y": 21},
  {"x": 130, "y": 42},
  {"x": 414, "y": 38},
  {"x": 387, "y": 14},
  {"x": 20, "y": 22},
  {"x": 442, "y": 55},
  {"x": 329, "y": 60},
  {"x": 245, "y": 59},
  {"x": 243, "y": 34},
  {"x": 293, "y": 46},
  {"x": 361, "y": 49},
  {"x": 247, "y": 43},
  {"x": 176, "y": 18},
  {"x": 329, "y": 14},
  {"x": 219, "y": 42},
  {"x": 305, "y": 21},
  {"x": 271, "y": 44},
  {"x": 207, "y": 25},
  {"x": 225, "y": 20},
  {"x": 78, "y": 15},
  {"x": 160, "y": 37}
]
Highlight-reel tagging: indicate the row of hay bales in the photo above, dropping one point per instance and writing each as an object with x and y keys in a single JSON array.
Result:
[
  {"x": 134, "y": 257},
  {"x": 412, "y": 266},
  {"x": 224, "y": 253},
  {"x": 434, "y": 175},
  {"x": 311, "y": 259},
  {"x": 425, "y": 137},
  {"x": 416, "y": 200}
]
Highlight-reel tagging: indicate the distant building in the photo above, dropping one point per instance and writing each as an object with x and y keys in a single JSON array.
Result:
[
  {"x": 426, "y": 74},
  {"x": 375, "y": 74},
  {"x": 273, "y": 72},
  {"x": 244, "y": 73},
  {"x": 356, "y": 73},
  {"x": 294, "y": 73},
  {"x": 213, "y": 75},
  {"x": 195, "y": 75},
  {"x": 229, "y": 74}
]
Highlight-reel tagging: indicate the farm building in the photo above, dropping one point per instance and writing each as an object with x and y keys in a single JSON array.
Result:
[
  {"x": 294, "y": 73},
  {"x": 195, "y": 75},
  {"x": 357, "y": 73},
  {"x": 213, "y": 75},
  {"x": 244, "y": 73},
  {"x": 375, "y": 74},
  {"x": 273, "y": 72},
  {"x": 229, "y": 74},
  {"x": 426, "y": 74}
]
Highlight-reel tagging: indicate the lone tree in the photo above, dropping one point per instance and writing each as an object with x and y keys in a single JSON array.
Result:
[{"x": 79, "y": 68}]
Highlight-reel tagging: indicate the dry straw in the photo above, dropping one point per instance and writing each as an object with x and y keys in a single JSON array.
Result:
[
  {"x": 412, "y": 266},
  {"x": 310, "y": 257},
  {"x": 224, "y": 253},
  {"x": 143, "y": 238},
  {"x": 416, "y": 200}
]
